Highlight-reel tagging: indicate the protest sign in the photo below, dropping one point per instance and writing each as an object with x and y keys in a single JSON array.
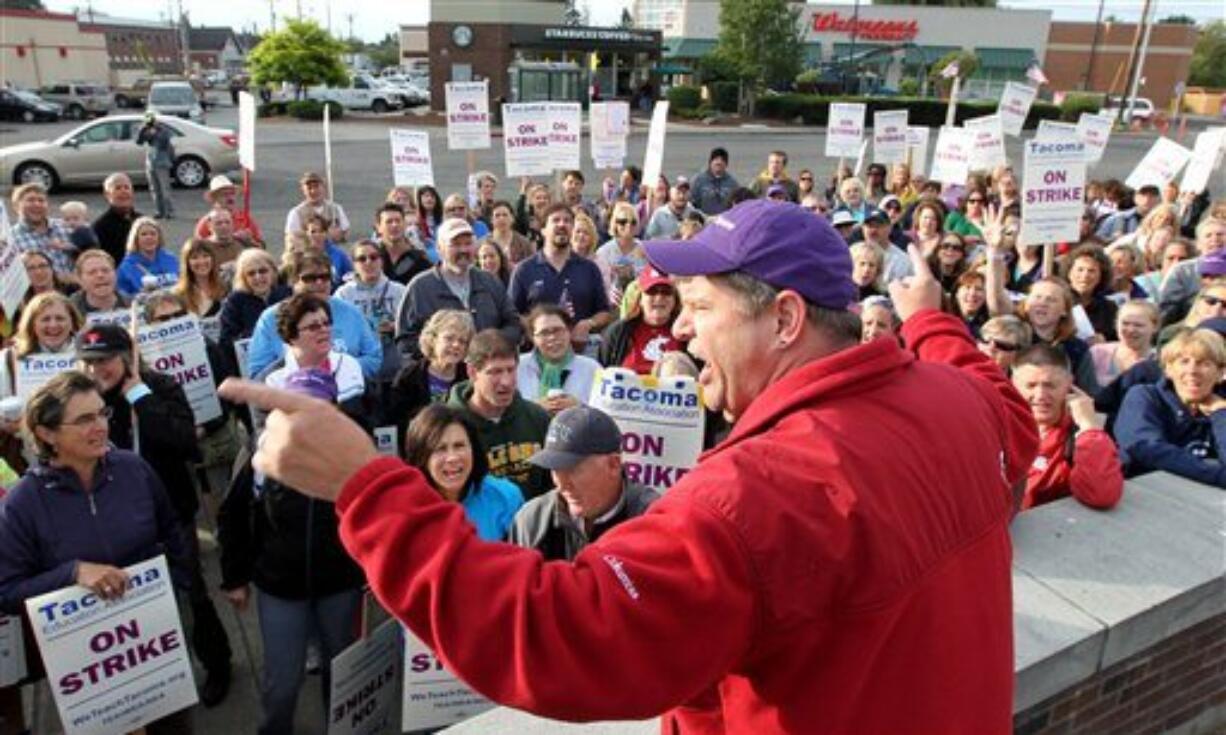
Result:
[
  {"x": 917, "y": 148},
  {"x": 1053, "y": 191},
  {"x": 951, "y": 161},
  {"x": 1015, "y": 102},
  {"x": 12, "y": 651},
  {"x": 468, "y": 115},
  {"x": 1094, "y": 130},
  {"x": 653, "y": 159},
  {"x": 241, "y": 346},
  {"x": 565, "y": 127},
  {"x": 609, "y": 128},
  {"x": 988, "y": 147},
  {"x": 365, "y": 684},
  {"x": 890, "y": 136},
  {"x": 14, "y": 281},
  {"x": 118, "y": 317},
  {"x": 114, "y": 666},
  {"x": 661, "y": 421},
  {"x": 432, "y": 695},
  {"x": 176, "y": 348},
  {"x": 210, "y": 327},
  {"x": 246, "y": 131},
  {"x": 386, "y": 441},
  {"x": 35, "y": 370},
  {"x": 1053, "y": 130},
  {"x": 411, "y": 164},
  {"x": 860, "y": 156},
  {"x": 1205, "y": 158},
  {"x": 1161, "y": 164},
  {"x": 844, "y": 129},
  {"x": 525, "y": 139}
]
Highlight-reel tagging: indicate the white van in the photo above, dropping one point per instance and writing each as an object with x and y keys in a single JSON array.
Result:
[{"x": 175, "y": 98}]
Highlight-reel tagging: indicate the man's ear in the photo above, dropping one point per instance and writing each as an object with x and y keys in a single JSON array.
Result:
[{"x": 790, "y": 311}]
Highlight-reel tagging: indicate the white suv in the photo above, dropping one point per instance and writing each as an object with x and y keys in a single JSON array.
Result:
[
  {"x": 175, "y": 98},
  {"x": 1141, "y": 109}
]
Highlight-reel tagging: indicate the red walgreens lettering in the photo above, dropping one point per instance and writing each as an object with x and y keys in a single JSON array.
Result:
[{"x": 880, "y": 30}]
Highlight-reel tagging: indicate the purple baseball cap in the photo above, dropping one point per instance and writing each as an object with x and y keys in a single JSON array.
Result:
[
  {"x": 312, "y": 382},
  {"x": 778, "y": 243}
]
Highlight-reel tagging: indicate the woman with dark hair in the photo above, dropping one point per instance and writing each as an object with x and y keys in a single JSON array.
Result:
[
  {"x": 200, "y": 285},
  {"x": 429, "y": 214},
  {"x": 444, "y": 446},
  {"x": 304, "y": 323},
  {"x": 492, "y": 260},
  {"x": 552, "y": 374},
  {"x": 1089, "y": 275},
  {"x": 84, "y": 511},
  {"x": 43, "y": 279},
  {"x": 949, "y": 261},
  {"x": 514, "y": 246},
  {"x": 641, "y": 339},
  {"x": 929, "y": 219},
  {"x": 970, "y": 219}
]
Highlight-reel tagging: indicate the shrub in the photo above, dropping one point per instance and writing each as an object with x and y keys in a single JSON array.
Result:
[
  {"x": 313, "y": 109},
  {"x": 724, "y": 96},
  {"x": 1076, "y": 103},
  {"x": 908, "y": 88},
  {"x": 684, "y": 97},
  {"x": 270, "y": 109}
]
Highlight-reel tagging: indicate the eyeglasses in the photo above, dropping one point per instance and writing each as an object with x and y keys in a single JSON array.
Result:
[
  {"x": 952, "y": 245},
  {"x": 169, "y": 317},
  {"x": 455, "y": 209},
  {"x": 621, "y": 222},
  {"x": 1010, "y": 231},
  {"x": 1212, "y": 300},
  {"x": 38, "y": 267},
  {"x": 365, "y": 258},
  {"x": 550, "y": 333},
  {"x": 806, "y": 178},
  {"x": 257, "y": 272},
  {"x": 315, "y": 277},
  {"x": 1000, "y": 345},
  {"x": 87, "y": 419},
  {"x": 314, "y": 327},
  {"x": 974, "y": 200}
]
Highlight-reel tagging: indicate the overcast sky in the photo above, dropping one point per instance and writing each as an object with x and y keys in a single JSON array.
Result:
[{"x": 371, "y": 21}]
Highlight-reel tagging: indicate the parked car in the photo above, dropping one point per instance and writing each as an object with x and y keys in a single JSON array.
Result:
[
  {"x": 79, "y": 99},
  {"x": 175, "y": 98},
  {"x": 410, "y": 91},
  {"x": 17, "y": 104},
  {"x": 95, "y": 150},
  {"x": 1141, "y": 108},
  {"x": 137, "y": 94},
  {"x": 366, "y": 93}
]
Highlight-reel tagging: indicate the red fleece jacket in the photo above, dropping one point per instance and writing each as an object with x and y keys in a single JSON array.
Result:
[
  {"x": 1092, "y": 475},
  {"x": 841, "y": 563}
]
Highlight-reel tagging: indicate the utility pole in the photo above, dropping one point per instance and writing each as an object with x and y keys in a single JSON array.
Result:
[
  {"x": 1132, "y": 60},
  {"x": 1138, "y": 58},
  {"x": 183, "y": 38},
  {"x": 349, "y": 17},
  {"x": 1098, "y": 26},
  {"x": 272, "y": 16}
]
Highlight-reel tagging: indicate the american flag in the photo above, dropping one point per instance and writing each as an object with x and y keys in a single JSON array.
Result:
[
  {"x": 950, "y": 71},
  {"x": 1034, "y": 73}
]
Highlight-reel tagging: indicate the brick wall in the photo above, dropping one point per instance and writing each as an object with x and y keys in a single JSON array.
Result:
[
  {"x": 489, "y": 55},
  {"x": 1154, "y": 691}
]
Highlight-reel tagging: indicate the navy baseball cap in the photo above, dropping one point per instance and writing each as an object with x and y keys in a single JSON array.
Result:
[
  {"x": 779, "y": 243},
  {"x": 574, "y": 435},
  {"x": 879, "y": 215},
  {"x": 102, "y": 341}
]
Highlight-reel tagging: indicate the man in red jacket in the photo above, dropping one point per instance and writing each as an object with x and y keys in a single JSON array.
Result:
[
  {"x": 1075, "y": 455},
  {"x": 840, "y": 563}
]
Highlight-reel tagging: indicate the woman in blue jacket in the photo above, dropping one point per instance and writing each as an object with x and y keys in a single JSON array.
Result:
[
  {"x": 85, "y": 510},
  {"x": 444, "y": 446},
  {"x": 147, "y": 257},
  {"x": 1179, "y": 424}
]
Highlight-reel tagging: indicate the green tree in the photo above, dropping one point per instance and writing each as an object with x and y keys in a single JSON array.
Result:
[
  {"x": 1180, "y": 19},
  {"x": 761, "y": 42},
  {"x": 968, "y": 64},
  {"x": 1209, "y": 57},
  {"x": 384, "y": 53},
  {"x": 302, "y": 54},
  {"x": 22, "y": 5}
]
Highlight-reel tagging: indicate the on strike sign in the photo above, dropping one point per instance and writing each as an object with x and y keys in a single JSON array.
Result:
[
  {"x": 564, "y": 135},
  {"x": 1160, "y": 164},
  {"x": 1015, "y": 102},
  {"x": 176, "y": 348},
  {"x": 115, "y": 666},
  {"x": 525, "y": 139},
  {"x": 951, "y": 161},
  {"x": 411, "y": 164},
  {"x": 432, "y": 696},
  {"x": 844, "y": 129},
  {"x": 468, "y": 115},
  {"x": 890, "y": 136},
  {"x": 1053, "y": 191},
  {"x": 365, "y": 682},
  {"x": 661, "y": 423}
]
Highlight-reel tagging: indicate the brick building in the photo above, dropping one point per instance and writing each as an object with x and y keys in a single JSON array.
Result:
[
  {"x": 137, "y": 48},
  {"x": 1077, "y": 61},
  {"x": 215, "y": 48},
  {"x": 39, "y": 47}
]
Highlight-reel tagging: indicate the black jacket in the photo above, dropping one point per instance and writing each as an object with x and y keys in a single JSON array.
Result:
[
  {"x": 167, "y": 436},
  {"x": 282, "y": 541},
  {"x": 410, "y": 393},
  {"x": 112, "y": 229},
  {"x": 616, "y": 342},
  {"x": 240, "y": 312}
]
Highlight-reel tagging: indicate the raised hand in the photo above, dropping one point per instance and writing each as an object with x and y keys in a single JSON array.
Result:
[{"x": 918, "y": 292}]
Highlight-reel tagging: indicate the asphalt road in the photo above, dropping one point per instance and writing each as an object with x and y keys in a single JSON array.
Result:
[{"x": 362, "y": 171}]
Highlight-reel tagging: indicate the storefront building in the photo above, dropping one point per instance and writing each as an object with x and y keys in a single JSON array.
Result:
[
  {"x": 527, "y": 53},
  {"x": 1081, "y": 56}
]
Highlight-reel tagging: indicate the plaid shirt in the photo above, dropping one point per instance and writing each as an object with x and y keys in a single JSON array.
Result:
[{"x": 26, "y": 238}]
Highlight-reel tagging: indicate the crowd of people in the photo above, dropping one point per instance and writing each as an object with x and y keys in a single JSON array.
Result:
[{"x": 477, "y": 328}]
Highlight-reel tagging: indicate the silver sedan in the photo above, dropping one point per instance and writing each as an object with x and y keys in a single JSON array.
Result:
[{"x": 91, "y": 152}]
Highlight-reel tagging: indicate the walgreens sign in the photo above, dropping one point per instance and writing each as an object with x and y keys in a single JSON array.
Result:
[{"x": 866, "y": 28}]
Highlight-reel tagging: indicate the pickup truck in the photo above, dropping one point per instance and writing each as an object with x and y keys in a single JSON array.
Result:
[{"x": 365, "y": 93}]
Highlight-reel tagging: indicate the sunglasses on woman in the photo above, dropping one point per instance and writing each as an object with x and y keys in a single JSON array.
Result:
[{"x": 1000, "y": 345}]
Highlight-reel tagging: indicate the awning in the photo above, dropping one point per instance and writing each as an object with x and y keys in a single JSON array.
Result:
[
  {"x": 928, "y": 55},
  {"x": 671, "y": 68},
  {"x": 688, "y": 48},
  {"x": 1004, "y": 58}
]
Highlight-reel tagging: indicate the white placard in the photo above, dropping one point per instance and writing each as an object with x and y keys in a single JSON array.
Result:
[
  {"x": 1054, "y": 130},
  {"x": 988, "y": 147},
  {"x": 33, "y": 371},
  {"x": 210, "y": 327},
  {"x": 246, "y": 131},
  {"x": 1053, "y": 191},
  {"x": 1094, "y": 130},
  {"x": 386, "y": 441},
  {"x": 890, "y": 136},
  {"x": 241, "y": 348},
  {"x": 608, "y": 131},
  {"x": 14, "y": 281},
  {"x": 432, "y": 695},
  {"x": 118, "y": 317},
  {"x": 917, "y": 148},
  {"x": 1081, "y": 320},
  {"x": 1205, "y": 158},
  {"x": 661, "y": 421},
  {"x": 844, "y": 129},
  {"x": 365, "y": 682},
  {"x": 12, "y": 651},
  {"x": 411, "y": 163},
  {"x": 1161, "y": 164},
  {"x": 115, "y": 666},
  {"x": 609, "y": 153},
  {"x": 653, "y": 160},
  {"x": 951, "y": 161},
  {"x": 1015, "y": 102},
  {"x": 468, "y": 115},
  {"x": 176, "y": 349},
  {"x": 525, "y": 139},
  {"x": 565, "y": 138}
]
